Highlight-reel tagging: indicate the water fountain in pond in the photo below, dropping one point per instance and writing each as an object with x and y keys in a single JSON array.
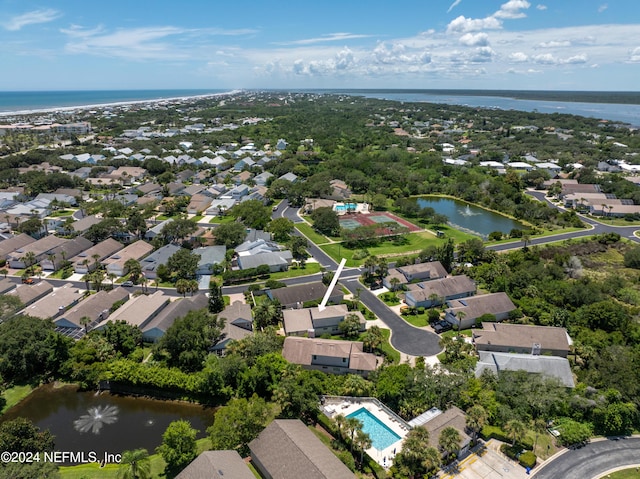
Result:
[
  {"x": 96, "y": 418},
  {"x": 467, "y": 211}
]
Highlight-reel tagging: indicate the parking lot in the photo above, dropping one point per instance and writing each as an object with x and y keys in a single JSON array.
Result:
[{"x": 486, "y": 464}]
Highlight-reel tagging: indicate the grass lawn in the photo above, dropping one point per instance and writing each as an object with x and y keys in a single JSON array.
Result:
[
  {"x": 57, "y": 214},
  {"x": 541, "y": 235},
  {"x": 390, "y": 298},
  {"x": 197, "y": 218},
  {"x": 14, "y": 395},
  {"x": 387, "y": 348},
  {"x": 465, "y": 332},
  {"x": 631, "y": 473},
  {"x": 415, "y": 243},
  {"x": 310, "y": 268},
  {"x": 222, "y": 220},
  {"x": 311, "y": 234},
  {"x": 417, "y": 320},
  {"x": 111, "y": 470}
]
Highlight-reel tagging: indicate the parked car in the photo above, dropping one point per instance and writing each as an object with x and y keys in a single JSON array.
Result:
[
  {"x": 127, "y": 284},
  {"x": 27, "y": 280},
  {"x": 442, "y": 326}
]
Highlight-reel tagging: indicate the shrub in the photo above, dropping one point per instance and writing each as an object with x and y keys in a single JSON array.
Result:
[
  {"x": 274, "y": 284},
  {"x": 360, "y": 254},
  {"x": 528, "y": 459},
  {"x": 495, "y": 236},
  {"x": 348, "y": 460}
]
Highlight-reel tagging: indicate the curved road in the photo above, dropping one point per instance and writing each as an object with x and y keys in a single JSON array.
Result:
[
  {"x": 404, "y": 337},
  {"x": 592, "y": 460}
]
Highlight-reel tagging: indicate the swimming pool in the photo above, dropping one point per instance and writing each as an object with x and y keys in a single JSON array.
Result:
[
  {"x": 345, "y": 207},
  {"x": 381, "y": 436}
]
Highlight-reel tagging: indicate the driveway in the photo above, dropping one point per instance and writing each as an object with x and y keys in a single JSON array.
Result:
[
  {"x": 487, "y": 464},
  {"x": 592, "y": 460}
]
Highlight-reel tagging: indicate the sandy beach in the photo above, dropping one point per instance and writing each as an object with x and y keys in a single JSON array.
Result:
[{"x": 113, "y": 104}]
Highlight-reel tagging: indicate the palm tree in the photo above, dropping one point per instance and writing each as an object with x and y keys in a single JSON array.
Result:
[
  {"x": 363, "y": 440},
  {"x": 84, "y": 321},
  {"x": 193, "y": 286},
  {"x": 461, "y": 315},
  {"x": 182, "y": 286},
  {"x": 526, "y": 239},
  {"x": 340, "y": 421},
  {"x": 111, "y": 277},
  {"x": 515, "y": 431},
  {"x": 133, "y": 267},
  {"x": 5, "y": 272},
  {"x": 370, "y": 263},
  {"x": 431, "y": 460},
  {"x": 476, "y": 419},
  {"x": 449, "y": 442},
  {"x": 29, "y": 259},
  {"x": 135, "y": 465},
  {"x": 352, "y": 425},
  {"x": 394, "y": 283}
]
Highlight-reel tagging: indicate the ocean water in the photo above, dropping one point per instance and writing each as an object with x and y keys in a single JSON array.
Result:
[
  {"x": 626, "y": 113},
  {"x": 18, "y": 101}
]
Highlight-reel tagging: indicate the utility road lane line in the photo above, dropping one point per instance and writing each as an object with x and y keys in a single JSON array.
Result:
[{"x": 323, "y": 304}]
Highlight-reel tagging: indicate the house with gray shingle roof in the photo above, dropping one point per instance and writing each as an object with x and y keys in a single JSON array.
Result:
[
  {"x": 155, "y": 329},
  {"x": 217, "y": 465},
  {"x": 287, "y": 449},
  {"x": 464, "y": 312},
  {"x": 104, "y": 249},
  {"x": 151, "y": 263},
  {"x": 238, "y": 325},
  {"x": 96, "y": 307},
  {"x": 549, "y": 366}
]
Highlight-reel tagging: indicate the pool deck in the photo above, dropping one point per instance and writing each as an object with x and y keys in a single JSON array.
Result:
[{"x": 334, "y": 405}]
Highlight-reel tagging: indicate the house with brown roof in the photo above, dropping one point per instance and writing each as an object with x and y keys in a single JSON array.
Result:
[
  {"x": 329, "y": 355},
  {"x": 30, "y": 293},
  {"x": 6, "y": 285},
  {"x": 57, "y": 256},
  {"x": 217, "y": 465},
  {"x": 287, "y": 449},
  {"x": 462, "y": 313},
  {"x": 56, "y": 302},
  {"x": 437, "y": 421},
  {"x": 522, "y": 338},
  {"x": 13, "y": 244},
  {"x": 139, "y": 310},
  {"x": 412, "y": 272},
  {"x": 85, "y": 261},
  {"x": 96, "y": 307},
  {"x": 40, "y": 249},
  {"x": 436, "y": 292},
  {"x": 199, "y": 203},
  {"x": 115, "y": 263},
  {"x": 295, "y": 296},
  {"x": 238, "y": 325},
  {"x": 156, "y": 327},
  {"x": 85, "y": 223},
  {"x": 313, "y": 322}
]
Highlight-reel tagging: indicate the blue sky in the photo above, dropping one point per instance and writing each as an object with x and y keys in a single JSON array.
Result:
[{"x": 479, "y": 44}]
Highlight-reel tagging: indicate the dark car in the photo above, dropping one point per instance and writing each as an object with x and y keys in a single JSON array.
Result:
[{"x": 442, "y": 326}]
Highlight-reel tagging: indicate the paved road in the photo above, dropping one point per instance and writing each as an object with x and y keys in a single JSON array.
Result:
[
  {"x": 592, "y": 460},
  {"x": 404, "y": 337}
]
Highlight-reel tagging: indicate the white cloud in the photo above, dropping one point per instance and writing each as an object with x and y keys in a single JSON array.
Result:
[
  {"x": 549, "y": 59},
  {"x": 603, "y": 7},
  {"x": 475, "y": 40},
  {"x": 574, "y": 60},
  {"x": 31, "y": 18},
  {"x": 555, "y": 44},
  {"x": 454, "y": 5},
  {"x": 635, "y": 55},
  {"x": 518, "y": 57},
  {"x": 512, "y": 9},
  {"x": 462, "y": 24},
  {"x": 331, "y": 37},
  {"x": 541, "y": 7},
  {"x": 482, "y": 54}
]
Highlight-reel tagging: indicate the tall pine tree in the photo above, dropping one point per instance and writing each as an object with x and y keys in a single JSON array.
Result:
[{"x": 216, "y": 301}]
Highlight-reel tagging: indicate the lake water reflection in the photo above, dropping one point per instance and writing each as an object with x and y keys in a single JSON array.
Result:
[
  {"x": 84, "y": 421},
  {"x": 468, "y": 217}
]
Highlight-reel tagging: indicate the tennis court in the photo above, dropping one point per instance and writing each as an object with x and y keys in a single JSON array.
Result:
[{"x": 352, "y": 221}]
